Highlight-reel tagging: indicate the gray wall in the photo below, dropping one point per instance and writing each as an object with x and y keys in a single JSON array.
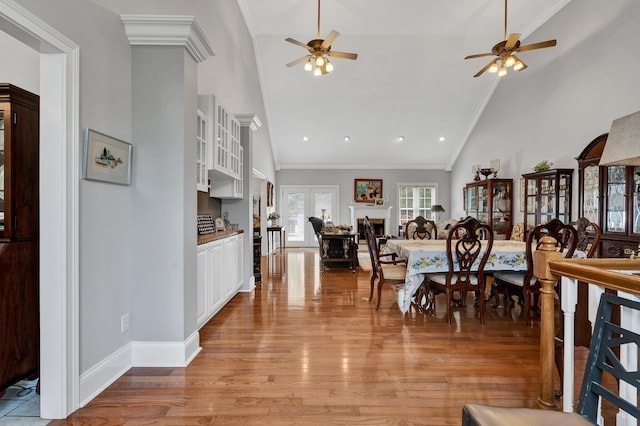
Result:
[
  {"x": 552, "y": 110},
  {"x": 109, "y": 253},
  {"x": 390, "y": 180}
]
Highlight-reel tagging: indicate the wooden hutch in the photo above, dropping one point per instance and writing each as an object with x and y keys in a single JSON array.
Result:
[{"x": 19, "y": 231}]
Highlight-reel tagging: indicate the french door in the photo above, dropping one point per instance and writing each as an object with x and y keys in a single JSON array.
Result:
[{"x": 301, "y": 202}]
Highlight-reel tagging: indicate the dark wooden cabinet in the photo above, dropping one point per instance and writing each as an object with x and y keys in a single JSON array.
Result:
[
  {"x": 610, "y": 197},
  {"x": 547, "y": 195},
  {"x": 491, "y": 201},
  {"x": 19, "y": 229}
]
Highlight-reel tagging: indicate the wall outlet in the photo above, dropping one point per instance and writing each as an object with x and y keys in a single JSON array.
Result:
[{"x": 124, "y": 323}]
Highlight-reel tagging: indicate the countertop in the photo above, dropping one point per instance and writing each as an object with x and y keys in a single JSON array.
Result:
[{"x": 207, "y": 238}]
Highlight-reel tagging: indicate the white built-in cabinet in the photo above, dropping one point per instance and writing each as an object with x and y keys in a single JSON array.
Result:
[
  {"x": 224, "y": 152},
  {"x": 219, "y": 275},
  {"x": 202, "y": 153}
]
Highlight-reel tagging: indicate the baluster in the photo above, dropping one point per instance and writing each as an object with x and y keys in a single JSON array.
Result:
[{"x": 568, "y": 304}]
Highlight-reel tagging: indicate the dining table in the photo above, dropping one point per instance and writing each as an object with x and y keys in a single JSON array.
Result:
[{"x": 430, "y": 256}]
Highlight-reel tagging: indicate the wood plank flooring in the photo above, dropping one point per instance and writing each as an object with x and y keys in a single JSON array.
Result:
[{"x": 310, "y": 349}]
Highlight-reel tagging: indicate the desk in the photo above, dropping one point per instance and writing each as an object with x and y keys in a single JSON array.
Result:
[
  {"x": 428, "y": 256},
  {"x": 347, "y": 253},
  {"x": 271, "y": 231}
]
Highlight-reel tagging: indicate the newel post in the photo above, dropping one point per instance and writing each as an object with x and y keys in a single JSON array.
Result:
[{"x": 545, "y": 253}]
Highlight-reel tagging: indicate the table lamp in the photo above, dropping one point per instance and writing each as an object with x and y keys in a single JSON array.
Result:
[{"x": 437, "y": 209}]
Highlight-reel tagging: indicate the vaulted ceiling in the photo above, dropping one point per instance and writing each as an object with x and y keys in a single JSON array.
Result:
[{"x": 410, "y": 79}]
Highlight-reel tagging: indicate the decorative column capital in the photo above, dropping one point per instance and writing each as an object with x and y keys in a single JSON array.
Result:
[{"x": 168, "y": 30}]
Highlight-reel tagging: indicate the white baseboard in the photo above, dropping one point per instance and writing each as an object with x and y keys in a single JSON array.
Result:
[
  {"x": 136, "y": 354},
  {"x": 165, "y": 354},
  {"x": 103, "y": 374}
]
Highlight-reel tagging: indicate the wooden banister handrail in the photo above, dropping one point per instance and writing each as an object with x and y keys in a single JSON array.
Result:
[
  {"x": 549, "y": 266},
  {"x": 600, "y": 272}
]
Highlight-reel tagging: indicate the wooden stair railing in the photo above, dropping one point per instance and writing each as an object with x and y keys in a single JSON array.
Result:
[{"x": 549, "y": 267}]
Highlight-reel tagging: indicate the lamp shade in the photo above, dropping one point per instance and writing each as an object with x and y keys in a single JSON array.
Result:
[
  {"x": 623, "y": 142},
  {"x": 437, "y": 208}
]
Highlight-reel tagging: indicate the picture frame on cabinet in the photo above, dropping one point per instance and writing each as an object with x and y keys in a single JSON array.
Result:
[{"x": 106, "y": 159}]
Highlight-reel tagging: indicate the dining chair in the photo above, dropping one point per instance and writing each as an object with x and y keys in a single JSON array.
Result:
[
  {"x": 420, "y": 229},
  {"x": 517, "y": 232},
  {"x": 463, "y": 256},
  {"x": 524, "y": 283},
  {"x": 387, "y": 272},
  {"x": 588, "y": 236},
  {"x": 316, "y": 223},
  {"x": 603, "y": 361}
]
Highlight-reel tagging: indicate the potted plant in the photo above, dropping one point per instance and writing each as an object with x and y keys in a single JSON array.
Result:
[
  {"x": 542, "y": 166},
  {"x": 273, "y": 218}
]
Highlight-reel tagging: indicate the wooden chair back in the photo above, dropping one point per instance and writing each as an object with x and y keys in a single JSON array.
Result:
[
  {"x": 588, "y": 236},
  {"x": 464, "y": 244},
  {"x": 420, "y": 229}
]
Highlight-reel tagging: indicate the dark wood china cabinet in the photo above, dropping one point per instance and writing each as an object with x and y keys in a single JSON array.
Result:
[
  {"x": 491, "y": 201},
  {"x": 610, "y": 197},
  {"x": 547, "y": 196},
  {"x": 19, "y": 230}
]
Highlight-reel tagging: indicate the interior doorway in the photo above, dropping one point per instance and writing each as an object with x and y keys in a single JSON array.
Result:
[{"x": 59, "y": 177}]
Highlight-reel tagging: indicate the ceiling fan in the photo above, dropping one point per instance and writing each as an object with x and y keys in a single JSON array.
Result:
[
  {"x": 505, "y": 52},
  {"x": 319, "y": 49}
]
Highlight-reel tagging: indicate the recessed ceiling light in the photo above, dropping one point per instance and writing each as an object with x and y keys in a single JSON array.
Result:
[
  {"x": 399, "y": 139},
  {"x": 441, "y": 138},
  {"x": 346, "y": 138},
  {"x": 305, "y": 138}
]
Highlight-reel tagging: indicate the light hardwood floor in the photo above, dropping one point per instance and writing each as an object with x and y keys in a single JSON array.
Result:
[{"x": 310, "y": 349}]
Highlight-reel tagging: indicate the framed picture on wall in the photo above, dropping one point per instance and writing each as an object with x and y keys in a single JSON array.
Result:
[
  {"x": 269, "y": 194},
  {"x": 106, "y": 159},
  {"x": 367, "y": 190}
]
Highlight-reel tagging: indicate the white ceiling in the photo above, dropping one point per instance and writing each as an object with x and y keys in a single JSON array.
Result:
[{"x": 410, "y": 78}]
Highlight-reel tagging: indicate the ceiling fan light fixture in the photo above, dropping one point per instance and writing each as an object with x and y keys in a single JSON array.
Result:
[
  {"x": 328, "y": 66},
  {"x": 493, "y": 67},
  {"x": 518, "y": 66},
  {"x": 503, "y": 71},
  {"x": 317, "y": 72},
  {"x": 308, "y": 66},
  {"x": 319, "y": 60},
  {"x": 510, "y": 61}
]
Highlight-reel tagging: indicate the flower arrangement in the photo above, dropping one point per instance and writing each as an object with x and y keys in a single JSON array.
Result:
[
  {"x": 273, "y": 216},
  {"x": 345, "y": 229}
]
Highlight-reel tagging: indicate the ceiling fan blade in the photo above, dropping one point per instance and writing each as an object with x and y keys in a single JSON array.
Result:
[
  {"x": 329, "y": 40},
  {"x": 297, "y": 61},
  {"x": 479, "y": 73},
  {"x": 542, "y": 44},
  {"x": 512, "y": 40},
  {"x": 479, "y": 55},
  {"x": 343, "y": 55},
  {"x": 299, "y": 43}
]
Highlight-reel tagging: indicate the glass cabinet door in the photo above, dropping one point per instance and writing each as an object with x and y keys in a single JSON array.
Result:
[
  {"x": 615, "y": 204},
  {"x": 636, "y": 200},
  {"x": 471, "y": 201},
  {"x": 531, "y": 200},
  {"x": 1, "y": 169},
  {"x": 564, "y": 198},
  {"x": 483, "y": 204},
  {"x": 591, "y": 193}
]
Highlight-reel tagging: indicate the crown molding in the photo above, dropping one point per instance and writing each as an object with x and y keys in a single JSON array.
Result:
[
  {"x": 250, "y": 120},
  {"x": 168, "y": 30}
]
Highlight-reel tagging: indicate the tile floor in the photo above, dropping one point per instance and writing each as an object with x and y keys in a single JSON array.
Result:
[{"x": 21, "y": 405}]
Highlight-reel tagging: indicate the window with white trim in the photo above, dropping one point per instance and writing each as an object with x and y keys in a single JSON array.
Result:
[{"x": 415, "y": 200}]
